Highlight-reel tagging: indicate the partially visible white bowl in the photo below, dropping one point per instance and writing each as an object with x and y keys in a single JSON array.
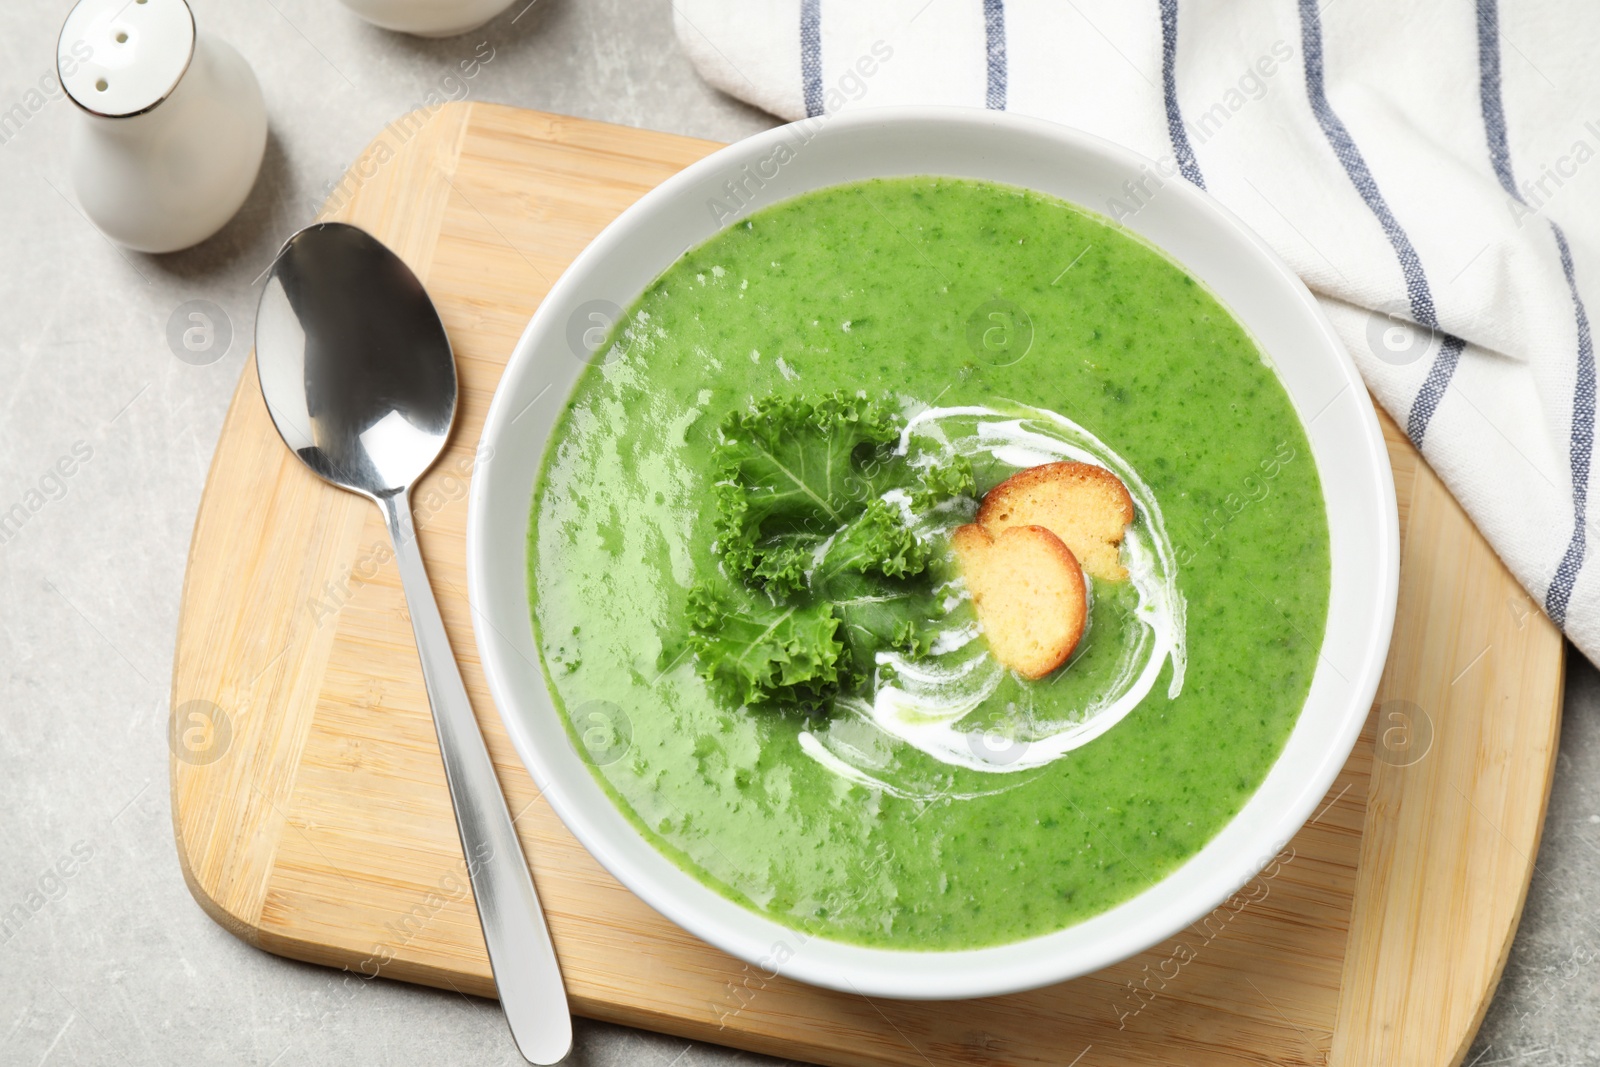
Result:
[
  {"x": 1194, "y": 230},
  {"x": 428, "y": 18}
]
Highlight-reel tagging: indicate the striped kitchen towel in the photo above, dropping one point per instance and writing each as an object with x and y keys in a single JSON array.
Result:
[{"x": 1429, "y": 169}]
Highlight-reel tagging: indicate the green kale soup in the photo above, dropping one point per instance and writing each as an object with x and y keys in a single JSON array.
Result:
[{"x": 745, "y": 598}]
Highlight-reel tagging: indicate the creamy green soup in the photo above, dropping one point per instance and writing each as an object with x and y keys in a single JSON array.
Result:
[{"x": 918, "y": 795}]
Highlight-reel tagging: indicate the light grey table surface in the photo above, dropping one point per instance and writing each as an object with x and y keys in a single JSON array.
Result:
[{"x": 113, "y": 963}]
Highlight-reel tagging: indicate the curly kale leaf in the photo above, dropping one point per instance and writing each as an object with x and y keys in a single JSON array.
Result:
[
  {"x": 868, "y": 574},
  {"x": 783, "y": 563},
  {"x": 754, "y": 651},
  {"x": 874, "y": 541},
  {"x": 877, "y": 614},
  {"x": 935, "y": 485},
  {"x": 791, "y": 466},
  {"x": 820, "y": 572}
]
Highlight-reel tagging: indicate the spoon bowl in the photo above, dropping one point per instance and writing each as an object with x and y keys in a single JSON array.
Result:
[{"x": 355, "y": 366}]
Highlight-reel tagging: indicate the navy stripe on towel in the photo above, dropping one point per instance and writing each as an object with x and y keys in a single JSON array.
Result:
[
  {"x": 1355, "y": 166},
  {"x": 811, "y": 55},
  {"x": 1581, "y": 447},
  {"x": 1188, "y": 165},
  {"x": 994, "y": 32},
  {"x": 1433, "y": 387},
  {"x": 1494, "y": 112}
]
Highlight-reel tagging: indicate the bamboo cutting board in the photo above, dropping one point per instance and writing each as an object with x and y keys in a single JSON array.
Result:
[{"x": 310, "y": 806}]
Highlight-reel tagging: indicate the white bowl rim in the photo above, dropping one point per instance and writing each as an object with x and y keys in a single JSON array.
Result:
[{"x": 1014, "y": 966}]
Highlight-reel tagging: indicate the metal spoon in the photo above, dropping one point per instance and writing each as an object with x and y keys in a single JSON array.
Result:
[{"x": 360, "y": 380}]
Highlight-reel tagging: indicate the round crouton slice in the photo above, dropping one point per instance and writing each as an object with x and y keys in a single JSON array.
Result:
[
  {"x": 1029, "y": 594},
  {"x": 1087, "y": 507}
]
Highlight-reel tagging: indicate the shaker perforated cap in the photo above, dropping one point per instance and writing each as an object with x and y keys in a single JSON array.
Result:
[{"x": 122, "y": 57}]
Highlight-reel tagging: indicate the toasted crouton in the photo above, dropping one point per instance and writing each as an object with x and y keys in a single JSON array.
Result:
[
  {"x": 1086, "y": 506},
  {"x": 1029, "y": 594}
]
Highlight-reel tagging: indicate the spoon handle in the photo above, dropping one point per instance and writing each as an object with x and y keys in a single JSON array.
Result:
[{"x": 526, "y": 972}]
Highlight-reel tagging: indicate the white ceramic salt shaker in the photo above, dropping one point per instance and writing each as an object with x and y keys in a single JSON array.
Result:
[
  {"x": 172, "y": 125},
  {"x": 428, "y": 18}
]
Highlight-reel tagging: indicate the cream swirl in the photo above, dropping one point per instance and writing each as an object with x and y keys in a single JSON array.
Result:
[{"x": 928, "y": 703}]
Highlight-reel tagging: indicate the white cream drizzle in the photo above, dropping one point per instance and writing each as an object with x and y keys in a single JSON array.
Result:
[{"x": 923, "y": 702}]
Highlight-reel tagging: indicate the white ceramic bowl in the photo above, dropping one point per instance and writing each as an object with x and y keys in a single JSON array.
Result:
[
  {"x": 1194, "y": 230},
  {"x": 428, "y": 18}
]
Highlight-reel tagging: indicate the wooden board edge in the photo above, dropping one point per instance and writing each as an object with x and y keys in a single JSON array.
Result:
[
  {"x": 1415, "y": 476},
  {"x": 241, "y": 926},
  {"x": 248, "y": 927},
  {"x": 744, "y": 1038},
  {"x": 1510, "y": 938}
]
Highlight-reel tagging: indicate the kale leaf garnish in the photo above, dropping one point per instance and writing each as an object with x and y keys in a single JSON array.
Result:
[{"x": 822, "y": 567}]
